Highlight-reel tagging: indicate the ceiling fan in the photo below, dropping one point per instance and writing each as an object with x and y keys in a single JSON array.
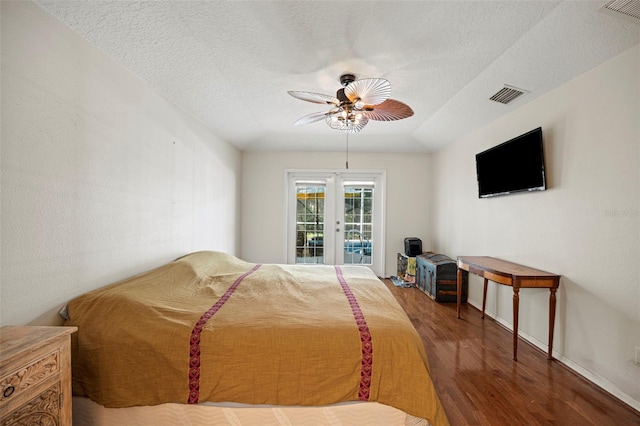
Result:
[{"x": 355, "y": 104}]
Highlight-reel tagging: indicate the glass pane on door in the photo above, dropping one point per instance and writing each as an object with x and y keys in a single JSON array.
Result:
[
  {"x": 310, "y": 212},
  {"x": 358, "y": 225}
]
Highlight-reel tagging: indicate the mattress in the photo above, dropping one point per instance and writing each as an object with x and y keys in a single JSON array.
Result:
[{"x": 89, "y": 413}]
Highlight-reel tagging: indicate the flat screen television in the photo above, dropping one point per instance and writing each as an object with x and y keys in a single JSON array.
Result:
[{"x": 516, "y": 165}]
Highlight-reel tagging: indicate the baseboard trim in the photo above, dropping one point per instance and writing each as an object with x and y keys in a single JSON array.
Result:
[{"x": 595, "y": 379}]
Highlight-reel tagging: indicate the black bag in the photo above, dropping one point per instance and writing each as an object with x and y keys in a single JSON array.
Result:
[{"x": 412, "y": 246}]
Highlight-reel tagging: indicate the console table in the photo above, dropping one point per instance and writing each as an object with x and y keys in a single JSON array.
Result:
[{"x": 516, "y": 276}]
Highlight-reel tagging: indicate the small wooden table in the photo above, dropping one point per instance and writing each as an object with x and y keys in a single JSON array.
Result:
[{"x": 516, "y": 276}]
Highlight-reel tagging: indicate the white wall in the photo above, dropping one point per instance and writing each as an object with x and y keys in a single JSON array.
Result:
[
  {"x": 263, "y": 209},
  {"x": 586, "y": 226},
  {"x": 101, "y": 177}
]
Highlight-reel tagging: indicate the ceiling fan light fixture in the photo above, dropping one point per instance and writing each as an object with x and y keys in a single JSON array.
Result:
[{"x": 355, "y": 104}]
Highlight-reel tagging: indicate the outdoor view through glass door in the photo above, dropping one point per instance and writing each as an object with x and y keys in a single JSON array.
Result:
[
  {"x": 336, "y": 218},
  {"x": 357, "y": 199},
  {"x": 310, "y": 222}
]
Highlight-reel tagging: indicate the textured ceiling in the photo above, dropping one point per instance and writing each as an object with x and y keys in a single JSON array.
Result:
[{"x": 231, "y": 63}]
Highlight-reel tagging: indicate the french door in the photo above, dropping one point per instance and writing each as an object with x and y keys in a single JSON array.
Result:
[{"x": 336, "y": 218}]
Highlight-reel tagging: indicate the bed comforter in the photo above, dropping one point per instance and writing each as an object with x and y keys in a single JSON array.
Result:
[{"x": 211, "y": 327}]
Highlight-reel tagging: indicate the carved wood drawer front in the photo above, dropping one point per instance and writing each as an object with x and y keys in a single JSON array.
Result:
[
  {"x": 35, "y": 376},
  {"x": 43, "y": 410},
  {"x": 31, "y": 375}
]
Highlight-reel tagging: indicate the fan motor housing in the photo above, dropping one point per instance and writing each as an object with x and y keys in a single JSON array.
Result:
[{"x": 342, "y": 97}]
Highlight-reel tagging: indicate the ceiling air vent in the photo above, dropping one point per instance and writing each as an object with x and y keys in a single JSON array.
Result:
[
  {"x": 627, "y": 9},
  {"x": 507, "y": 94}
]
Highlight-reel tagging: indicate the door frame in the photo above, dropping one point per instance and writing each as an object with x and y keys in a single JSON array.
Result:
[{"x": 380, "y": 179}]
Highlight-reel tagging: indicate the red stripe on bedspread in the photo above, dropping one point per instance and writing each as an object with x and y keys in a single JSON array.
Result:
[
  {"x": 365, "y": 339},
  {"x": 194, "y": 347}
]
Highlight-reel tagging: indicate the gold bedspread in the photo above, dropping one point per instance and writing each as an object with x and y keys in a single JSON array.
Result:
[{"x": 211, "y": 327}]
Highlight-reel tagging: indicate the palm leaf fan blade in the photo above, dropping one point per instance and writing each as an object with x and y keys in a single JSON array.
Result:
[
  {"x": 312, "y": 118},
  {"x": 368, "y": 91},
  {"x": 389, "y": 110},
  {"x": 316, "y": 98}
]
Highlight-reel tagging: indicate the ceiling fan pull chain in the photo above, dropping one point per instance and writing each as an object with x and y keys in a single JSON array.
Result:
[{"x": 347, "y": 161}]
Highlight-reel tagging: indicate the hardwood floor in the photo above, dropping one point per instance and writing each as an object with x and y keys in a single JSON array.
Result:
[{"x": 479, "y": 384}]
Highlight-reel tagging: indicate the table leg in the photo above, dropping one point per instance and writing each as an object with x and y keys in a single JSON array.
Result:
[
  {"x": 516, "y": 306},
  {"x": 552, "y": 320},
  {"x": 484, "y": 296},
  {"x": 459, "y": 290}
]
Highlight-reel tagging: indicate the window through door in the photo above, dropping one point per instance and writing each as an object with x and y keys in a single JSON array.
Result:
[
  {"x": 309, "y": 224},
  {"x": 358, "y": 223}
]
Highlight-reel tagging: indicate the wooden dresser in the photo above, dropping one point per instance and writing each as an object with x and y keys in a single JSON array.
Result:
[{"x": 35, "y": 375}]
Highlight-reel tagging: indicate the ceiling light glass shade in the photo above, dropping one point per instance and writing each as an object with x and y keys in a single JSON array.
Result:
[
  {"x": 316, "y": 98},
  {"x": 368, "y": 91},
  {"x": 348, "y": 125}
]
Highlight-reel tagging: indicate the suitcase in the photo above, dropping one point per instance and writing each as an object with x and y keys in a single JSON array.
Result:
[{"x": 436, "y": 275}]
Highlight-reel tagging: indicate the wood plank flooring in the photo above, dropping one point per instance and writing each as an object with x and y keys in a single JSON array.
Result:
[{"x": 479, "y": 384}]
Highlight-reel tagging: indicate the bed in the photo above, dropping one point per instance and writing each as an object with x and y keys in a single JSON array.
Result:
[{"x": 213, "y": 332}]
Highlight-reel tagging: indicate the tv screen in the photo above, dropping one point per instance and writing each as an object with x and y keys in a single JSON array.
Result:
[{"x": 513, "y": 166}]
